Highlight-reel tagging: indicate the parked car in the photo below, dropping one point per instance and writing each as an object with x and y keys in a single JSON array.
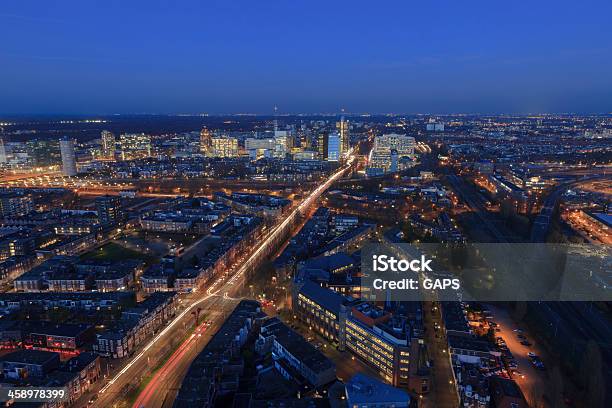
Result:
[
  {"x": 525, "y": 343},
  {"x": 532, "y": 355}
]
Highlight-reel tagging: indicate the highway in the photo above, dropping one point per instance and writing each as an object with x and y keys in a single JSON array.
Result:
[{"x": 222, "y": 288}]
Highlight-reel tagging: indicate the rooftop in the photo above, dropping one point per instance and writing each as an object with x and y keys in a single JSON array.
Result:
[{"x": 362, "y": 389}]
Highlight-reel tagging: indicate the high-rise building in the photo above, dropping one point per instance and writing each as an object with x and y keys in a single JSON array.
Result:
[
  {"x": 334, "y": 147},
  {"x": 224, "y": 147},
  {"x": 282, "y": 143},
  {"x": 109, "y": 210},
  {"x": 205, "y": 141},
  {"x": 322, "y": 142},
  {"x": 135, "y": 146},
  {"x": 343, "y": 130},
  {"x": 68, "y": 157},
  {"x": 3, "y": 158},
  {"x": 108, "y": 145}
]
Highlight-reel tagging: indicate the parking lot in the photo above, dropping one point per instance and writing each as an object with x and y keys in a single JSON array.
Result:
[{"x": 531, "y": 378}]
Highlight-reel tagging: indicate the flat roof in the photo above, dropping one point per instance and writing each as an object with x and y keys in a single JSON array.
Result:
[
  {"x": 362, "y": 389},
  {"x": 30, "y": 356}
]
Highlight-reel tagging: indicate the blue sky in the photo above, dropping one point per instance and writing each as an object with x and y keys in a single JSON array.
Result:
[{"x": 305, "y": 56}]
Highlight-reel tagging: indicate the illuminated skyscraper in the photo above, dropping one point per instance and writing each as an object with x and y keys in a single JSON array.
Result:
[
  {"x": 68, "y": 157},
  {"x": 108, "y": 145},
  {"x": 282, "y": 143},
  {"x": 322, "y": 142},
  {"x": 205, "y": 141},
  {"x": 2, "y": 151},
  {"x": 343, "y": 129},
  {"x": 334, "y": 146}
]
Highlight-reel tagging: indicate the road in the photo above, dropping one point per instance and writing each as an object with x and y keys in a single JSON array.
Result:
[
  {"x": 442, "y": 393},
  {"x": 165, "y": 382},
  {"x": 138, "y": 366}
]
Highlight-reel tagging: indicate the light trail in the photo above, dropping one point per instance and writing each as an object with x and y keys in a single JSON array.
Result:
[
  {"x": 273, "y": 234},
  {"x": 146, "y": 394}
]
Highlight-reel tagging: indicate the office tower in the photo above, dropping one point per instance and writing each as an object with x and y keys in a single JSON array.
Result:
[
  {"x": 109, "y": 210},
  {"x": 2, "y": 151},
  {"x": 108, "y": 145},
  {"x": 334, "y": 146},
  {"x": 322, "y": 144},
  {"x": 282, "y": 143},
  {"x": 68, "y": 157},
  {"x": 134, "y": 146},
  {"x": 343, "y": 129},
  {"x": 205, "y": 141},
  {"x": 224, "y": 147}
]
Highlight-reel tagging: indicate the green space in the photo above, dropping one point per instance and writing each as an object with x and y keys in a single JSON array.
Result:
[{"x": 116, "y": 252}]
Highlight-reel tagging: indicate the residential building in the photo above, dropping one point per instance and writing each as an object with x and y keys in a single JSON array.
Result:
[
  {"x": 293, "y": 356},
  {"x": 28, "y": 363},
  {"x": 110, "y": 210}
]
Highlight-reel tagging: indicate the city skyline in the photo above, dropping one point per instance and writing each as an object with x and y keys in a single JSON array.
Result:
[{"x": 305, "y": 204}]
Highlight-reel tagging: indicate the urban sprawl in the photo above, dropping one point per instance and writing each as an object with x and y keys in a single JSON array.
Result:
[{"x": 203, "y": 261}]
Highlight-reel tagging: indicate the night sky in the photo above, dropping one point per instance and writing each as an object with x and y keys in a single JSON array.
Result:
[{"x": 305, "y": 56}]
